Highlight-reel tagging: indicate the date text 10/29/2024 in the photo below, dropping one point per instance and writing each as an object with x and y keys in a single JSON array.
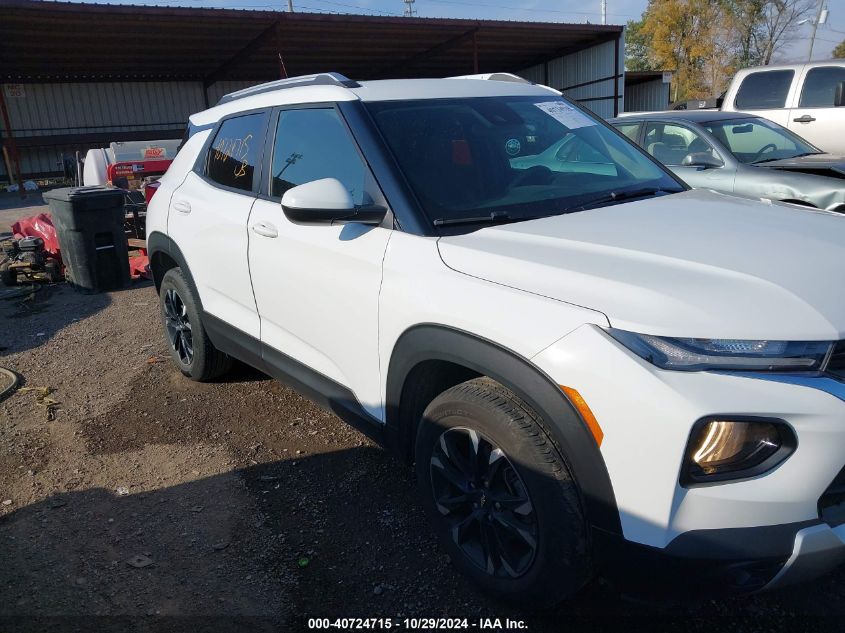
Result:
[{"x": 416, "y": 624}]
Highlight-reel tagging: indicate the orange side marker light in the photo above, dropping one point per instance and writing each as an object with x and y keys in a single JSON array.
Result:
[{"x": 583, "y": 408}]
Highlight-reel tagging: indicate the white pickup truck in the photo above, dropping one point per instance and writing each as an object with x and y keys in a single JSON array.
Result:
[{"x": 807, "y": 98}]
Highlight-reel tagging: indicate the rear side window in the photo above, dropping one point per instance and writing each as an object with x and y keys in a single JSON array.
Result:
[
  {"x": 630, "y": 130},
  {"x": 764, "y": 90},
  {"x": 820, "y": 86},
  {"x": 236, "y": 150}
]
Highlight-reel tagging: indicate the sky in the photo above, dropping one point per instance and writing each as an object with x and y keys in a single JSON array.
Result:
[{"x": 618, "y": 12}]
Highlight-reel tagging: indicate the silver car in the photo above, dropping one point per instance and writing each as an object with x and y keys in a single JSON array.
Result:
[{"x": 740, "y": 154}]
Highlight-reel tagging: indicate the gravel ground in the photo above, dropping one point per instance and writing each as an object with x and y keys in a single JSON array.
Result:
[{"x": 135, "y": 499}]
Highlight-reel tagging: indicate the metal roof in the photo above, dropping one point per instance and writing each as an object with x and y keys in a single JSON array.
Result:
[{"x": 66, "y": 41}]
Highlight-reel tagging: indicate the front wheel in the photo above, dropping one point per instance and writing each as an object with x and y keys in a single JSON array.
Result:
[
  {"x": 501, "y": 498},
  {"x": 190, "y": 347}
]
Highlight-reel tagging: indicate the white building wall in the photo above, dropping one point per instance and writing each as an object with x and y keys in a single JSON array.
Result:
[
  {"x": 594, "y": 66},
  {"x": 647, "y": 96}
]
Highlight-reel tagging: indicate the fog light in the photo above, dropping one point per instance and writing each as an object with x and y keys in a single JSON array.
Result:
[{"x": 736, "y": 448}]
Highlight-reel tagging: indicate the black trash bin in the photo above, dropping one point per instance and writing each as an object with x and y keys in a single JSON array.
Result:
[{"x": 89, "y": 224}]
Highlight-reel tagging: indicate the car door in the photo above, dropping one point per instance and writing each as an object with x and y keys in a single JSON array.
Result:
[
  {"x": 816, "y": 118},
  {"x": 208, "y": 219},
  {"x": 317, "y": 287},
  {"x": 670, "y": 143},
  {"x": 767, "y": 93}
]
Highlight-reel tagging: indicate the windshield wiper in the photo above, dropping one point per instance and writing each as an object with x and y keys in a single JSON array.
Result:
[
  {"x": 497, "y": 217},
  {"x": 615, "y": 196},
  {"x": 769, "y": 160}
]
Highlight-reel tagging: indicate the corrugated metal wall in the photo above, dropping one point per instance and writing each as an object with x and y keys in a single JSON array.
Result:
[
  {"x": 569, "y": 72},
  {"x": 647, "y": 96},
  {"x": 63, "y": 109},
  {"x": 52, "y": 109}
]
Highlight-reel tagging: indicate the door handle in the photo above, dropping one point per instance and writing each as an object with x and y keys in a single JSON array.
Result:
[
  {"x": 805, "y": 119},
  {"x": 266, "y": 229},
  {"x": 182, "y": 206}
]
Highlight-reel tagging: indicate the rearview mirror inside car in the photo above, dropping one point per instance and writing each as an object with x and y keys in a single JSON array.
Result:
[
  {"x": 839, "y": 95},
  {"x": 701, "y": 159},
  {"x": 327, "y": 201},
  {"x": 742, "y": 129}
]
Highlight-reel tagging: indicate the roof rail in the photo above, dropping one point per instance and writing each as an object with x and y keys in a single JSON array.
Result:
[
  {"x": 496, "y": 77},
  {"x": 318, "y": 79}
]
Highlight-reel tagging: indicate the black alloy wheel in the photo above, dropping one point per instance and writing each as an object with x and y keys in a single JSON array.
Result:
[
  {"x": 479, "y": 492},
  {"x": 178, "y": 325}
]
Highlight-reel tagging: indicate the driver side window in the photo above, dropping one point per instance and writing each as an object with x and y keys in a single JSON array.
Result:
[
  {"x": 670, "y": 143},
  {"x": 312, "y": 144}
]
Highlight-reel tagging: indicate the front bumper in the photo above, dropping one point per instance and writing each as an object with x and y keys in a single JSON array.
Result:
[
  {"x": 646, "y": 415},
  {"x": 817, "y": 550}
]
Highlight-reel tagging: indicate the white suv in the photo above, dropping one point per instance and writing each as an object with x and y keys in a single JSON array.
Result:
[{"x": 584, "y": 359}]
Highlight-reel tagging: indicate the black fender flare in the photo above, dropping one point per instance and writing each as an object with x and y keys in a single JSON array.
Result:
[
  {"x": 428, "y": 342},
  {"x": 158, "y": 242}
]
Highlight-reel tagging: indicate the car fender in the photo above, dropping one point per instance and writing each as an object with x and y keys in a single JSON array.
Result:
[{"x": 564, "y": 425}]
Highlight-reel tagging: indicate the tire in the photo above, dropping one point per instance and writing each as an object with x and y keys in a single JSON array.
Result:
[
  {"x": 8, "y": 275},
  {"x": 529, "y": 502},
  {"x": 53, "y": 271},
  {"x": 190, "y": 348}
]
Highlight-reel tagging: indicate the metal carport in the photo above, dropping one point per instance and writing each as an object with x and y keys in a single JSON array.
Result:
[{"x": 80, "y": 75}]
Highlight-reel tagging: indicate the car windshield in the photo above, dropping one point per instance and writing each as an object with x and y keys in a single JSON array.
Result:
[
  {"x": 512, "y": 158},
  {"x": 756, "y": 140}
]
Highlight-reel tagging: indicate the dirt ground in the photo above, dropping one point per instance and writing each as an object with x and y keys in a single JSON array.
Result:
[
  {"x": 135, "y": 499},
  {"x": 13, "y": 208}
]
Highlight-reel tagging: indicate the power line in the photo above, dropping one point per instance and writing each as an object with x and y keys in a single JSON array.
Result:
[{"x": 511, "y": 8}]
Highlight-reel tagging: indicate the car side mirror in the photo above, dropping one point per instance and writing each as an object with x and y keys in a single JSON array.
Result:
[
  {"x": 839, "y": 95},
  {"x": 705, "y": 160},
  {"x": 327, "y": 201}
]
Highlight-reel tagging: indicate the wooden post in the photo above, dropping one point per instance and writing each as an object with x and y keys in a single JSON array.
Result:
[
  {"x": 10, "y": 138},
  {"x": 475, "y": 52}
]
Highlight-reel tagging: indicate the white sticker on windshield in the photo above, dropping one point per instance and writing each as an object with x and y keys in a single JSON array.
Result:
[{"x": 565, "y": 113}]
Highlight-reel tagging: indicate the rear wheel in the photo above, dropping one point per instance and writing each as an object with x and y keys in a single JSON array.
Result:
[
  {"x": 190, "y": 347},
  {"x": 502, "y": 501}
]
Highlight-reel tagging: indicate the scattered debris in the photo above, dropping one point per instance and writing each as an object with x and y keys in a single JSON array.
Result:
[
  {"x": 197, "y": 508},
  {"x": 43, "y": 398},
  {"x": 58, "y": 503},
  {"x": 303, "y": 562},
  {"x": 152, "y": 360},
  {"x": 221, "y": 545},
  {"x": 139, "y": 561},
  {"x": 122, "y": 491},
  {"x": 378, "y": 590},
  {"x": 7, "y": 502}
]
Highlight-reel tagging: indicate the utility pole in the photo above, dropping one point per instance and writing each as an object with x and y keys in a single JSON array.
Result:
[
  {"x": 821, "y": 18},
  {"x": 410, "y": 11},
  {"x": 604, "y": 11}
]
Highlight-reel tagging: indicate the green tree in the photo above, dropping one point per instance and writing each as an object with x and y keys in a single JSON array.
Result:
[
  {"x": 637, "y": 47},
  {"x": 839, "y": 51},
  {"x": 682, "y": 36}
]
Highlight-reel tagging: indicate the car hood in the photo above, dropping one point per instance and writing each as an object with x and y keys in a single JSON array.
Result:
[
  {"x": 693, "y": 264},
  {"x": 819, "y": 164}
]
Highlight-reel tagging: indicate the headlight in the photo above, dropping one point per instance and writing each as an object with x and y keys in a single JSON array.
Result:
[
  {"x": 735, "y": 447},
  {"x": 699, "y": 354}
]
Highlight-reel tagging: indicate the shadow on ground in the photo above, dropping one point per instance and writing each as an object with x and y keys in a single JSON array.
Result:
[{"x": 324, "y": 543}]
